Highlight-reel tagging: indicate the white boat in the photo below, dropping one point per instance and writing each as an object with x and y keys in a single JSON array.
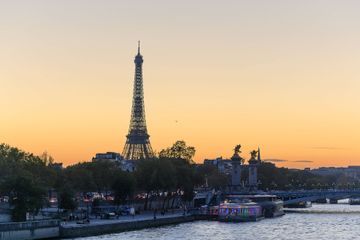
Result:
[{"x": 239, "y": 212}]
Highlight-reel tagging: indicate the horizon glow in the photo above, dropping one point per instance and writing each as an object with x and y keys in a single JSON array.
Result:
[{"x": 281, "y": 75}]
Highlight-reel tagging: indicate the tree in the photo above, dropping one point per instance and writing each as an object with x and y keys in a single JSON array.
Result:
[
  {"x": 180, "y": 155},
  {"x": 185, "y": 178},
  {"x": 67, "y": 199},
  {"x": 26, "y": 195},
  {"x": 25, "y": 179},
  {"x": 218, "y": 180},
  {"x": 274, "y": 178},
  {"x": 178, "y": 150},
  {"x": 123, "y": 187},
  {"x": 79, "y": 177},
  {"x": 103, "y": 173},
  {"x": 155, "y": 175},
  {"x": 212, "y": 176}
]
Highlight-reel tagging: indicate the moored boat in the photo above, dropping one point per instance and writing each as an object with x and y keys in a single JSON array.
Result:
[
  {"x": 354, "y": 201},
  {"x": 271, "y": 206},
  {"x": 239, "y": 212},
  {"x": 303, "y": 204}
]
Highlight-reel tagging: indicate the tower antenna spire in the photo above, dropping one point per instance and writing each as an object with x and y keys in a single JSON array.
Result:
[{"x": 139, "y": 47}]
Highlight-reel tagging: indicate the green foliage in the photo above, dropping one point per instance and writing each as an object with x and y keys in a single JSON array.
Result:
[
  {"x": 171, "y": 172},
  {"x": 66, "y": 199},
  {"x": 24, "y": 178},
  {"x": 210, "y": 174},
  {"x": 92, "y": 176},
  {"x": 185, "y": 177},
  {"x": 178, "y": 150},
  {"x": 218, "y": 180},
  {"x": 13, "y": 160},
  {"x": 26, "y": 195},
  {"x": 155, "y": 174},
  {"x": 103, "y": 173},
  {"x": 123, "y": 187},
  {"x": 274, "y": 178},
  {"x": 80, "y": 177}
]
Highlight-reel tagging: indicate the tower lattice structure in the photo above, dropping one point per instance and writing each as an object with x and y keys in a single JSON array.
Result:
[{"x": 137, "y": 144}]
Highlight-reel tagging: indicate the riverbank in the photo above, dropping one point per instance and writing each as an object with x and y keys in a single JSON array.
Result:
[
  {"x": 63, "y": 230},
  {"x": 341, "y": 225},
  {"x": 29, "y": 230},
  {"x": 289, "y": 227},
  {"x": 127, "y": 223},
  {"x": 54, "y": 229}
]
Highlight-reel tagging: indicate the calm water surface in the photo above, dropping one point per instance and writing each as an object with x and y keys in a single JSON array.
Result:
[{"x": 292, "y": 226}]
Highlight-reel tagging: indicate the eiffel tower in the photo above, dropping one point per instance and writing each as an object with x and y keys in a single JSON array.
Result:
[{"x": 137, "y": 144}]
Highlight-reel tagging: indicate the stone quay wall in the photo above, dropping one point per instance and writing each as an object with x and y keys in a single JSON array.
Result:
[
  {"x": 29, "y": 230},
  {"x": 107, "y": 228}
]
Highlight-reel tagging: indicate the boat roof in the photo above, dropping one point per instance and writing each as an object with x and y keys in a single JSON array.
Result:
[
  {"x": 251, "y": 195},
  {"x": 232, "y": 205}
]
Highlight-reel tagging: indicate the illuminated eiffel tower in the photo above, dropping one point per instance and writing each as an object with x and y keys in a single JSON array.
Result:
[{"x": 137, "y": 141}]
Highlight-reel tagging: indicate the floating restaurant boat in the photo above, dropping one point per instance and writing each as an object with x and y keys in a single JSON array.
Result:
[
  {"x": 239, "y": 212},
  {"x": 209, "y": 212},
  {"x": 271, "y": 206},
  {"x": 242, "y": 207}
]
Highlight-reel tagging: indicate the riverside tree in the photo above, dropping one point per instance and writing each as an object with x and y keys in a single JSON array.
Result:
[
  {"x": 179, "y": 150},
  {"x": 25, "y": 178},
  {"x": 66, "y": 199},
  {"x": 154, "y": 176},
  {"x": 26, "y": 196},
  {"x": 181, "y": 157},
  {"x": 210, "y": 176},
  {"x": 123, "y": 187}
]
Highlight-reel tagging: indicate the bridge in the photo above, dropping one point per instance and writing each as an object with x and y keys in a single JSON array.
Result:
[{"x": 297, "y": 196}]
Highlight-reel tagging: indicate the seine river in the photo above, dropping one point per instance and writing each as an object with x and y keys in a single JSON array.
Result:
[{"x": 343, "y": 223}]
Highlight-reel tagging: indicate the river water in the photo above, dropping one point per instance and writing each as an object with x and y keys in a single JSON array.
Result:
[{"x": 330, "y": 221}]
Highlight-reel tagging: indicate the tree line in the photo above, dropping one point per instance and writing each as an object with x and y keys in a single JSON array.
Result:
[
  {"x": 27, "y": 179},
  {"x": 274, "y": 178}
]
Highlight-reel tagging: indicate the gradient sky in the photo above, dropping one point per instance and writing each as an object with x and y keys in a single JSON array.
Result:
[{"x": 282, "y": 75}]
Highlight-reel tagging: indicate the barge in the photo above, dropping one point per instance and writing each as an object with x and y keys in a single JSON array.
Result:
[
  {"x": 240, "y": 212},
  {"x": 271, "y": 206}
]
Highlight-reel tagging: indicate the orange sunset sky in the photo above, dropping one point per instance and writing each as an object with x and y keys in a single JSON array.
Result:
[{"x": 282, "y": 75}]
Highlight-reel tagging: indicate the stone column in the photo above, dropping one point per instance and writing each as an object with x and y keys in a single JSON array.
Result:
[
  {"x": 236, "y": 171},
  {"x": 253, "y": 180}
]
